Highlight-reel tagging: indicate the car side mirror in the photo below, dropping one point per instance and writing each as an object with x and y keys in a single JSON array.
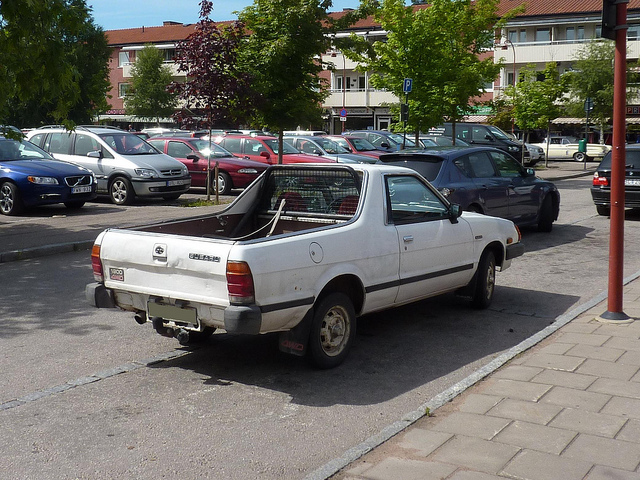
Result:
[
  {"x": 384, "y": 145},
  {"x": 95, "y": 154},
  {"x": 266, "y": 155},
  {"x": 193, "y": 157},
  {"x": 317, "y": 152},
  {"x": 455, "y": 211},
  {"x": 530, "y": 172},
  {"x": 488, "y": 137}
]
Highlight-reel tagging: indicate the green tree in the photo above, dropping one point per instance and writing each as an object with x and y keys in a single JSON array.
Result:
[
  {"x": 592, "y": 77},
  {"x": 440, "y": 47},
  {"x": 53, "y": 63},
  {"x": 536, "y": 98},
  {"x": 148, "y": 95},
  {"x": 281, "y": 57}
]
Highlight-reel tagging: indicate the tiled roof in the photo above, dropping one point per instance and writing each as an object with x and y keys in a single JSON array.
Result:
[{"x": 177, "y": 32}]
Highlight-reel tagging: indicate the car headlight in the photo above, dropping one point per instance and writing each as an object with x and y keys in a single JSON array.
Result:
[
  {"x": 145, "y": 172},
  {"x": 42, "y": 180},
  {"x": 185, "y": 171},
  {"x": 248, "y": 170}
]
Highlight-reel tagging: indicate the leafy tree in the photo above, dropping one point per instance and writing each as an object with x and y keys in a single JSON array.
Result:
[
  {"x": 281, "y": 56},
  {"x": 53, "y": 63},
  {"x": 148, "y": 95},
  {"x": 215, "y": 90},
  {"x": 536, "y": 101},
  {"x": 592, "y": 77},
  {"x": 440, "y": 47}
]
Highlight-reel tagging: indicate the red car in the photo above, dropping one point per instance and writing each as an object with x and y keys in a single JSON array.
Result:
[
  {"x": 358, "y": 145},
  {"x": 265, "y": 149},
  {"x": 232, "y": 172}
]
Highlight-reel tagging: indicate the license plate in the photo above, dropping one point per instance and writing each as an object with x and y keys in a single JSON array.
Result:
[
  {"x": 632, "y": 181},
  {"x": 171, "y": 312},
  {"x": 173, "y": 183},
  {"x": 81, "y": 189}
]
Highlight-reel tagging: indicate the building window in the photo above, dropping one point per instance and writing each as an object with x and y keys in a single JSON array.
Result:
[
  {"x": 123, "y": 89},
  {"x": 169, "y": 54},
  {"x": 522, "y": 36},
  {"x": 571, "y": 34},
  {"x": 123, "y": 59},
  {"x": 513, "y": 36},
  {"x": 598, "y": 31},
  {"x": 580, "y": 33},
  {"x": 632, "y": 32},
  {"x": 543, "y": 34},
  {"x": 509, "y": 78},
  {"x": 362, "y": 85}
]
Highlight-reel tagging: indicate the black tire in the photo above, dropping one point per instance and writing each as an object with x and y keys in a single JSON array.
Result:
[
  {"x": 332, "y": 331},
  {"x": 224, "y": 183},
  {"x": 193, "y": 338},
  {"x": 485, "y": 283},
  {"x": 74, "y": 205},
  {"x": 545, "y": 215},
  {"x": 121, "y": 191},
  {"x": 580, "y": 157},
  {"x": 10, "y": 199},
  {"x": 604, "y": 210}
]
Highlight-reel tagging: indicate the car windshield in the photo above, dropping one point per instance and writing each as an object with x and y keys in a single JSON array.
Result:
[
  {"x": 498, "y": 133},
  {"x": 399, "y": 139},
  {"x": 216, "y": 150},
  {"x": 128, "y": 144},
  {"x": 12, "y": 150},
  {"x": 286, "y": 147},
  {"x": 632, "y": 160},
  {"x": 330, "y": 146},
  {"x": 361, "y": 144}
]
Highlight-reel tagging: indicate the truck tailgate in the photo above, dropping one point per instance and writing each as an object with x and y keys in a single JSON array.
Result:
[{"x": 171, "y": 266}]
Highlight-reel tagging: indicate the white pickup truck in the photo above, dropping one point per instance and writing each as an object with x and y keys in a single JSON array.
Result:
[{"x": 303, "y": 251}]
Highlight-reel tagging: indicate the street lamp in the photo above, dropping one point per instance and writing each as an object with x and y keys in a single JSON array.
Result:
[{"x": 513, "y": 80}]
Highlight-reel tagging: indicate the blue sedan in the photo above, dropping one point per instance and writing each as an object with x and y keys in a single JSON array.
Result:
[{"x": 29, "y": 177}]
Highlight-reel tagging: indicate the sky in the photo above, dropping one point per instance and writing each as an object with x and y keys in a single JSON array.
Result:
[{"x": 119, "y": 14}]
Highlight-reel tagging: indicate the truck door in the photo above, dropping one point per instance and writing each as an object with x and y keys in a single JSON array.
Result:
[{"x": 436, "y": 255}]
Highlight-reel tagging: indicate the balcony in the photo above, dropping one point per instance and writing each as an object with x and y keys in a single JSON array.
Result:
[{"x": 359, "y": 98}]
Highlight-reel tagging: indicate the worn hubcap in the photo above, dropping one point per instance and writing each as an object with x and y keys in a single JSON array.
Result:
[{"x": 334, "y": 331}]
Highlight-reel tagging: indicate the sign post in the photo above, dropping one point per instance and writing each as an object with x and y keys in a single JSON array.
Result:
[{"x": 407, "y": 86}]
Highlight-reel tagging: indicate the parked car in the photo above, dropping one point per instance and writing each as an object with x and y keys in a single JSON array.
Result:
[
  {"x": 486, "y": 180},
  {"x": 194, "y": 153},
  {"x": 265, "y": 149},
  {"x": 326, "y": 148},
  {"x": 29, "y": 176},
  {"x": 561, "y": 148},
  {"x": 388, "y": 141},
  {"x": 124, "y": 165},
  {"x": 428, "y": 141},
  {"x": 601, "y": 187},
  {"x": 358, "y": 145},
  {"x": 536, "y": 154},
  {"x": 481, "y": 135}
]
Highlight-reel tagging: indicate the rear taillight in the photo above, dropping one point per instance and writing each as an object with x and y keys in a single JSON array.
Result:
[
  {"x": 240, "y": 283},
  {"x": 96, "y": 264},
  {"x": 599, "y": 181}
]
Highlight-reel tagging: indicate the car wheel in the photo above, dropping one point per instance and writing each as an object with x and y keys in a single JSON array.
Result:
[
  {"x": 604, "y": 210},
  {"x": 121, "y": 191},
  {"x": 545, "y": 215},
  {"x": 580, "y": 157},
  {"x": 10, "y": 200},
  {"x": 485, "y": 281},
  {"x": 332, "y": 331},
  {"x": 73, "y": 205},
  {"x": 224, "y": 183}
]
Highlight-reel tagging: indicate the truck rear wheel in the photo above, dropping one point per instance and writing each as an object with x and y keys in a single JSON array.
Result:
[{"x": 332, "y": 331}]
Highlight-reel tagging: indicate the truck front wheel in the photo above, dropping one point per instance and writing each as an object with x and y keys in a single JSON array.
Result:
[{"x": 332, "y": 331}]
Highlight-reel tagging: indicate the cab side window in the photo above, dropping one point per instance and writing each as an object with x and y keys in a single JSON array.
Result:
[
  {"x": 85, "y": 144},
  {"x": 253, "y": 147},
  {"x": 59, "y": 143},
  {"x": 412, "y": 201},
  {"x": 232, "y": 144},
  {"x": 480, "y": 134}
]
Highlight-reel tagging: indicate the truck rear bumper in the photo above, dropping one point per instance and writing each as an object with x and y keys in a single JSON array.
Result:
[
  {"x": 99, "y": 296},
  {"x": 243, "y": 319}
]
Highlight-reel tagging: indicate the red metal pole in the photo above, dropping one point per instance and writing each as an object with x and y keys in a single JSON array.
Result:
[{"x": 616, "y": 241}]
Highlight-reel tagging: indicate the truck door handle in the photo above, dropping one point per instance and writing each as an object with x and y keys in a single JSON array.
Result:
[{"x": 407, "y": 238}]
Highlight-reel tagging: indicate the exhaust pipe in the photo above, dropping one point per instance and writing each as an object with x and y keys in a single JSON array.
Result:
[
  {"x": 158, "y": 325},
  {"x": 140, "y": 317}
]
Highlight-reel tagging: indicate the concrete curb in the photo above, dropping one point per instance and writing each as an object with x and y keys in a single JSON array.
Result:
[
  {"x": 353, "y": 454},
  {"x": 44, "y": 250}
]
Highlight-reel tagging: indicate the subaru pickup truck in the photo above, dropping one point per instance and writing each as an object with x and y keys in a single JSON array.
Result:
[{"x": 304, "y": 251}]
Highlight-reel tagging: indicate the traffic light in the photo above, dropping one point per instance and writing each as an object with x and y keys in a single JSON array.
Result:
[
  {"x": 609, "y": 18},
  {"x": 404, "y": 112}
]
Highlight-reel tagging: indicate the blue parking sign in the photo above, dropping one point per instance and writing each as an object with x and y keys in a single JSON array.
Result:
[{"x": 407, "y": 84}]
